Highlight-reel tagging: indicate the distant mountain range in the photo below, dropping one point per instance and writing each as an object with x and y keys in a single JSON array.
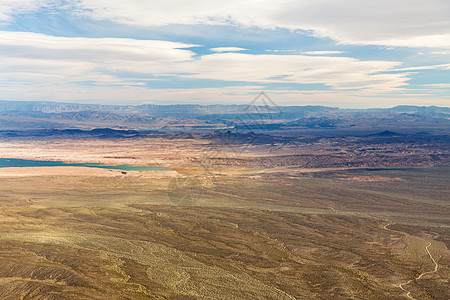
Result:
[{"x": 18, "y": 115}]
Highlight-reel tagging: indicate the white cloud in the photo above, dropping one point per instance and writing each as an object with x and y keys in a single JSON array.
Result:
[
  {"x": 84, "y": 59},
  {"x": 441, "y": 52},
  {"x": 338, "y": 72},
  {"x": 87, "y": 57},
  {"x": 8, "y": 8},
  {"x": 420, "y": 68},
  {"x": 420, "y": 41},
  {"x": 79, "y": 48},
  {"x": 323, "y": 52},
  {"x": 37, "y": 66},
  {"x": 438, "y": 85},
  {"x": 408, "y": 23},
  {"x": 227, "y": 49},
  {"x": 66, "y": 67},
  {"x": 284, "y": 51}
]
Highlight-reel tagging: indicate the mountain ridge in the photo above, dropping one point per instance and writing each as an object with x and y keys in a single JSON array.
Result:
[{"x": 17, "y": 115}]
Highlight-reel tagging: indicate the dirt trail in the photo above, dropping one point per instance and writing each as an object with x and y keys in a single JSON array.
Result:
[{"x": 436, "y": 267}]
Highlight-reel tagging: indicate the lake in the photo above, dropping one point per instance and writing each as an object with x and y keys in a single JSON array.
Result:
[{"x": 19, "y": 163}]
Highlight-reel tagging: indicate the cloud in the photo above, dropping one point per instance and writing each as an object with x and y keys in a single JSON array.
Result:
[
  {"x": 118, "y": 70},
  {"x": 31, "y": 61},
  {"x": 62, "y": 55},
  {"x": 420, "y": 68},
  {"x": 10, "y": 7},
  {"x": 425, "y": 41},
  {"x": 323, "y": 52},
  {"x": 80, "y": 48},
  {"x": 14, "y": 7},
  {"x": 447, "y": 52},
  {"x": 397, "y": 23},
  {"x": 227, "y": 49},
  {"x": 438, "y": 85},
  {"x": 337, "y": 72},
  {"x": 65, "y": 67},
  {"x": 404, "y": 23},
  {"x": 84, "y": 58},
  {"x": 287, "y": 51}
]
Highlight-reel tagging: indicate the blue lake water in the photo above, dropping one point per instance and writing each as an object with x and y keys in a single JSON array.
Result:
[{"x": 16, "y": 162}]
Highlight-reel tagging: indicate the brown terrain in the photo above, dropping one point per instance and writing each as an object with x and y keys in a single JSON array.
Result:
[{"x": 326, "y": 218}]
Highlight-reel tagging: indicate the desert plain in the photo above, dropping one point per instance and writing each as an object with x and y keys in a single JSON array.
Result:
[{"x": 241, "y": 221}]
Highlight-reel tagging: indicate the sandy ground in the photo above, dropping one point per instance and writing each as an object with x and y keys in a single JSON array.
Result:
[
  {"x": 251, "y": 232},
  {"x": 185, "y": 156},
  {"x": 146, "y": 152},
  {"x": 81, "y": 171}
]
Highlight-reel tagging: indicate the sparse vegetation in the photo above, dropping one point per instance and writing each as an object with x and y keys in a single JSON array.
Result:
[{"x": 223, "y": 223}]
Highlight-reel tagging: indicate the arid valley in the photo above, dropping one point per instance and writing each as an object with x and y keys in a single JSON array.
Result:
[{"x": 318, "y": 217}]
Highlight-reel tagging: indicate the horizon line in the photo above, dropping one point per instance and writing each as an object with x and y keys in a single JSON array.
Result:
[{"x": 223, "y": 104}]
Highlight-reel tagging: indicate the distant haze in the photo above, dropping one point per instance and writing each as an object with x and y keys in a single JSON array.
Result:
[{"x": 20, "y": 115}]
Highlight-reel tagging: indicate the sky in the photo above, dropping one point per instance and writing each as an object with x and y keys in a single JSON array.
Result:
[{"x": 346, "y": 53}]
